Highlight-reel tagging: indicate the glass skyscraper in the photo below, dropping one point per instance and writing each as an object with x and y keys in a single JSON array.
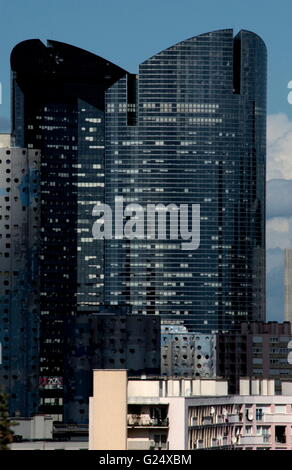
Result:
[
  {"x": 191, "y": 128},
  {"x": 58, "y": 107}
]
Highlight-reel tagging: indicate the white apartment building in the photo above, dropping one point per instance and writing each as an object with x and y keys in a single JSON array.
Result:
[{"x": 186, "y": 414}]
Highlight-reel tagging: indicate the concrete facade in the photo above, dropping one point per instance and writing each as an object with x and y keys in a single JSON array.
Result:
[
  {"x": 109, "y": 341},
  {"x": 109, "y": 407},
  {"x": 19, "y": 280},
  {"x": 186, "y": 414},
  {"x": 185, "y": 353}
]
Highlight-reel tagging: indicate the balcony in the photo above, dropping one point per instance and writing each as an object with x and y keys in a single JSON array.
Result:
[
  {"x": 146, "y": 421},
  {"x": 220, "y": 419},
  {"x": 216, "y": 420},
  {"x": 215, "y": 443},
  {"x": 223, "y": 441},
  {"x": 255, "y": 440},
  {"x": 146, "y": 444},
  {"x": 233, "y": 418},
  {"x": 277, "y": 418},
  {"x": 207, "y": 420},
  {"x": 200, "y": 444},
  {"x": 194, "y": 421},
  {"x": 219, "y": 442}
]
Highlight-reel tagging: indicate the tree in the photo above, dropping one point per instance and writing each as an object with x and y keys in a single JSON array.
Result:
[{"x": 6, "y": 433}]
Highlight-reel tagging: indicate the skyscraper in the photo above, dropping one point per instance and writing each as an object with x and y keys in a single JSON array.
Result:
[
  {"x": 19, "y": 283},
  {"x": 190, "y": 128},
  {"x": 111, "y": 341},
  {"x": 58, "y": 106}
]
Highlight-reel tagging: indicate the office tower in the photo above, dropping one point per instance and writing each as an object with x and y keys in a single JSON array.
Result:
[
  {"x": 58, "y": 106},
  {"x": 288, "y": 285},
  {"x": 258, "y": 350},
  {"x": 190, "y": 129},
  {"x": 19, "y": 249}
]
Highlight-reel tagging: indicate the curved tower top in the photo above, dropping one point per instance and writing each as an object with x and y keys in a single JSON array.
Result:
[
  {"x": 34, "y": 58},
  {"x": 214, "y": 34},
  {"x": 56, "y": 72},
  {"x": 58, "y": 100},
  {"x": 199, "y": 138}
]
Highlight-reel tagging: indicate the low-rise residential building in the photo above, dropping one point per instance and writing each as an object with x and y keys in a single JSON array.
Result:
[{"x": 187, "y": 414}]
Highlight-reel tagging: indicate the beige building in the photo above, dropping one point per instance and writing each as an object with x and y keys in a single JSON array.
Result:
[
  {"x": 142, "y": 413},
  {"x": 108, "y": 410},
  {"x": 186, "y": 414}
]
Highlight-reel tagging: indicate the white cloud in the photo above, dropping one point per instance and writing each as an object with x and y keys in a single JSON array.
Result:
[
  {"x": 279, "y": 232},
  {"x": 279, "y": 224},
  {"x": 279, "y": 146},
  {"x": 279, "y": 209},
  {"x": 279, "y": 198}
]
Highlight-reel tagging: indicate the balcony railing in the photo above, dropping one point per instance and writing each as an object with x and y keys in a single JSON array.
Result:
[
  {"x": 207, "y": 420},
  {"x": 233, "y": 418},
  {"x": 277, "y": 418},
  {"x": 219, "y": 442},
  {"x": 200, "y": 444},
  {"x": 216, "y": 419},
  {"x": 255, "y": 440},
  {"x": 215, "y": 442},
  {"x": 133, "y": 421},
  {"x": 220, "y": 419},
  {"x": 146, "y": 444}
]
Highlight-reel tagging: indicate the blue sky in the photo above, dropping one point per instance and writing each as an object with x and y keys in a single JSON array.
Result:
[{"x": 127, "y": 32}]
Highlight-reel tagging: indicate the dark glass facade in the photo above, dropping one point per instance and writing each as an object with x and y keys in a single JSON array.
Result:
[
  {"x": 19, "y": 281},
  {"x": 58, "y": 105},
  {"x": 191, "y": 128},
  {"x": 112, "y": 340}
]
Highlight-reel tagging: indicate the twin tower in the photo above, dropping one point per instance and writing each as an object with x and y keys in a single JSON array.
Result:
[{"x": 190, "y": 128}]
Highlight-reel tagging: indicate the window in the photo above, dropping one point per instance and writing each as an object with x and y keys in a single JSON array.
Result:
[
  {"x": 280, "y": 434},
  {"x": 248, "y": 430},
  {"x": 259, "y": 414}
]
